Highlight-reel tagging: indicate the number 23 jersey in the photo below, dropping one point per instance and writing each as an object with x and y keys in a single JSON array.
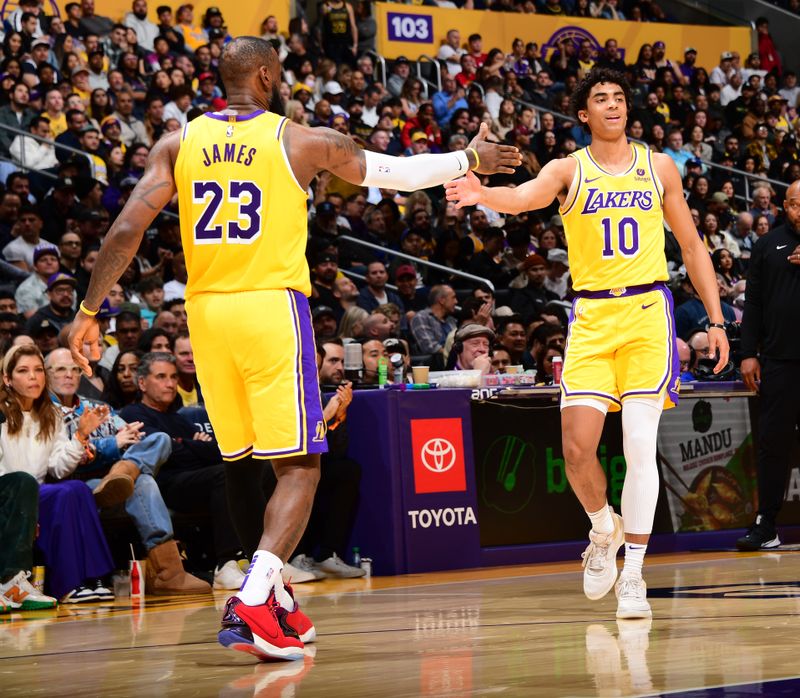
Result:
[
  {"x": 614, "y": 224},
  {"x": 243, "y": 215}
]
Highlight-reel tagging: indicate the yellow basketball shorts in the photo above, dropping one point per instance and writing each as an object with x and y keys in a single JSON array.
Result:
[
  {"x": 621, "y": 344},
  {"x": 256, "y": 362}
]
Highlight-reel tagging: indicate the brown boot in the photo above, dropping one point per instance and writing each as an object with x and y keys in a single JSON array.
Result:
[
  {"x": 117, "y": 485},
  {"x": 165, "y": 574}
]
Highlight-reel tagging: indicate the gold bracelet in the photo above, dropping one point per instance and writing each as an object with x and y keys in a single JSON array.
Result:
[
  {"x": 86, "y": 311},
  {"x": 477, "y": 159}
]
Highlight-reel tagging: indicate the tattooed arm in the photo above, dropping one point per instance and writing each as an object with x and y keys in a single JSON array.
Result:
[
  {"x": 152, "y": 193},
  {"x": 311, "y": 150}
]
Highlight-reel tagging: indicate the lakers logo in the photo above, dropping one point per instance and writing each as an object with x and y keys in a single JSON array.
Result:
[
  {"x": 319, "y": 434},
  {"x": 617, "y": 292}
]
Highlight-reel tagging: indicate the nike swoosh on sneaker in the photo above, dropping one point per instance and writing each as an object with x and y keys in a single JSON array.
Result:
[
  {"x": 645, "y": 307},
  {"x": 589, "y": 181},
  {"x": 780, "y": 247}
]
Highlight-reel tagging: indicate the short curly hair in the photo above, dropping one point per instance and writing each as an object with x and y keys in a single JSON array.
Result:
[{"x": 580, "y": 98}]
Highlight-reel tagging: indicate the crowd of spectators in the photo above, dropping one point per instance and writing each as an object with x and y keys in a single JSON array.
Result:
[{"x": 84, "y": 97}]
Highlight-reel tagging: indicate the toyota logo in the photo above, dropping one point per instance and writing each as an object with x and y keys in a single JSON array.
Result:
[{"x": 438, "y": 455}]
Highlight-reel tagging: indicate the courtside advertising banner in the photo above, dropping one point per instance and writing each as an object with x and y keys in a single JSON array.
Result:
[{"x": 708, "y": 464}]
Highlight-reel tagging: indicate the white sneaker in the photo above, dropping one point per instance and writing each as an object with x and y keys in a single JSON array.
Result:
[
  {"x": 7, "y": 605},
  {"x": 23, "y": 595},
  {"x": 632, "y": 597},
  {"x": 229, "y": 576},
  {"x": 294, "y": 575},
  {"x": 337, "y": 567},
  {"x": 102, "y": 592},
  {"x": 308, "y": 564},
  {"x": 600, "y": 560}
]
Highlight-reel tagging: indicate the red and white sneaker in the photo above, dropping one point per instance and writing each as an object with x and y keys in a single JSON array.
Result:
[
  {"x": 262, "y": 631},
  {"x": 299, "y": 621}
]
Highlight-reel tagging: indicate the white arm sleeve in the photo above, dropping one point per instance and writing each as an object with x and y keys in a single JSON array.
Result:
[{"x": 416, "y": 172}]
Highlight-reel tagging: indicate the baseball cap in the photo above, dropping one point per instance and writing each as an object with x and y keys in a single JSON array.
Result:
[
  {"x": 60, "y": 278},
  {"x": 206, "y": 76},
  {"x": 326, "y": 208},
  {"x": 689, "y": 49},
  {"x": 659, "y": 44},
  {"x": 218, "y": 104},
  {"x": 95, "y": 51},
  {"x": 106, "y": 310},
  {"x": 726, "y": 56},
  {"x": 90, "y": 215},
  {"x": 472, "y": 330},
  {"x": 394, "y": 346},
  {"x": 42, "y": 250},
  {"x": 213, "y": 10},
  {"x": 776, "y": 98},
  {"x": 301, "y": 87},
  {"x": 109, "y": 120},
  {"x": 558, "y": 255},
  {"x": 322, "y": 311},
  {"x": 419, "y": 136},
  {"x": 78, "y": 69},
  {"x": 719, "y": 197},
  {"x": 40, "y": 42},
  {"x": 215, "y": 33},
  {"x": 332, "y": 88},
  {"x": 535, "y": 260},
  {"x": 128, "y": 183},
  {"x": 405, "y": 270},
  {"x": 324, "y": 257},
  {"x": 89, "y": 128},
  {"x": 402, "y": 59},
  {"x": 556, "y": 222},
  {"x": 64, "y": 183},
  {"x": 42, "y": 326}
]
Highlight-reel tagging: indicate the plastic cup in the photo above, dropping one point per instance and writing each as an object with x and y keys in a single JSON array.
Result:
[{"x": 420, "y": 373}]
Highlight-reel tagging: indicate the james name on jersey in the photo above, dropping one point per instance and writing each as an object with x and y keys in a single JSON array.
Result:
[{"x": 228, "y": 153}]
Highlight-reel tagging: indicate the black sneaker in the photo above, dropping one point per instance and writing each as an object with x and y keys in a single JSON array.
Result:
[{"x": 762, "y": 534}]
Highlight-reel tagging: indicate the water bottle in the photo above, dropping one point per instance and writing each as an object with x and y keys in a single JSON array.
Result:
[
  {"x": 383, "y": 371},
  {"x": 356, "y": 557}
]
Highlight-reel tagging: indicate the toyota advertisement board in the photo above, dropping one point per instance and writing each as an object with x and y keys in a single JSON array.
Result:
[{"x": 441, "y": 526}]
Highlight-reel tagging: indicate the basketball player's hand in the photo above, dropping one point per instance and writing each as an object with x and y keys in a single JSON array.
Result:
[
  {"x": 84, "y": 341},
  {"x": 794, "y": 258},
  {"x": 493, "y": 157},
  {"x": 465, "y": 191},
  {"x": 718, "y": 342},
  {"x": 751, "y": 373}
]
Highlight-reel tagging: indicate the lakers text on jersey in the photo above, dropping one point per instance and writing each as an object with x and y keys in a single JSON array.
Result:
[{"x": 621, "y": 341}]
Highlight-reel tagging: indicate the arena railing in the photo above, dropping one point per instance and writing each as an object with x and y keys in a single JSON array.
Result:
[
  {"x": 417, "y": 260},
  {"x": 437, "y": 72},
  {"x": 49, "y": 141},
  {"x": 355, "y": 275},
  {"x": 381, "y": 62}
]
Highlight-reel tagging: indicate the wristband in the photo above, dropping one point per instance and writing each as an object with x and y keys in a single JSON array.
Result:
[
  {"x": 477, "y": 159},
  {"x": 86, "y": 311},
  {"x": 717, "y": 325}
]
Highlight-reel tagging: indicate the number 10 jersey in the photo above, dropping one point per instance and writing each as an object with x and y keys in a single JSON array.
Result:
[
  {"x": 243, "y": 214},
  {"x": 614, "y": 224}
]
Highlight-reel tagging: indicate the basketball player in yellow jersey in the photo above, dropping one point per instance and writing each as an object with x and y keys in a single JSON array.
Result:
[
  {"x": 241, "y": 178},
  {"x": 621, "y": 351}
]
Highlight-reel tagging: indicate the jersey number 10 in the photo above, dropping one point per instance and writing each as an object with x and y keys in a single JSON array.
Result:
[
  {"x": 627, "y": 226},
  {"x": 246, "y": 195}
]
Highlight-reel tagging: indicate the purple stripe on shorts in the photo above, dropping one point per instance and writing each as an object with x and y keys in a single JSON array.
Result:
[
  {"x": 314, "y": 428},
  {"x": 622, "y": 291},
  {"x": 237, "y": 454}
]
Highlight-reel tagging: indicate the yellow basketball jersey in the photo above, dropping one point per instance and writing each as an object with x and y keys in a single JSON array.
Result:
[
  {"x": 243, "y": 214},
  {"x": 614, "y": 224}
]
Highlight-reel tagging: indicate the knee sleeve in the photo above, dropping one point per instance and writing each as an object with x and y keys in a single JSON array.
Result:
[{"x": 640, "y": 419}]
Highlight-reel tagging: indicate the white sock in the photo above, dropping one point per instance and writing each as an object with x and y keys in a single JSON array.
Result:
[
  {"x": 601, "y": 520},
  {"x": 634, "y": 559},
  {"x": 259, "y": 580}
]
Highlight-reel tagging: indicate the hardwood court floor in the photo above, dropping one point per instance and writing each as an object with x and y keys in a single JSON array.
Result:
[{"x": 719, "y": 620}]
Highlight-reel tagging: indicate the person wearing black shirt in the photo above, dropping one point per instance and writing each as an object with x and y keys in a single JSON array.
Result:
[
  {"x": 193, "y": 479},
  {"x": 771, "y": 353}
]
